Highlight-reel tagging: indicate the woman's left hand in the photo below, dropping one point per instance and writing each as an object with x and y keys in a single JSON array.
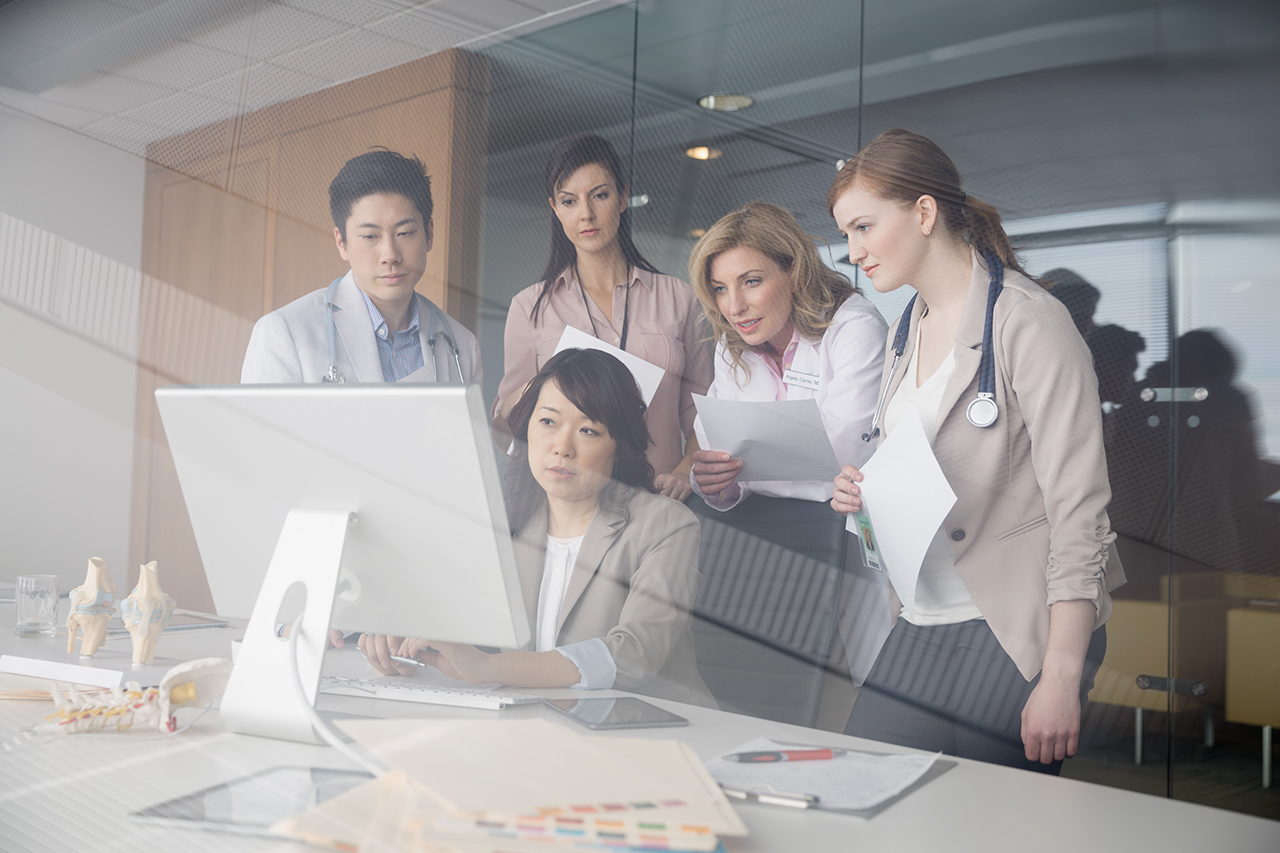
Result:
[
  {"x": 673, "y": 485},
  {"x": 1051, "y": 719}
]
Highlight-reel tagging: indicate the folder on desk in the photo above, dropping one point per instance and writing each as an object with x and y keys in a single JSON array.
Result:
[
  {"x": 856, "y": 783},
  {"x": 537, "y": 779},
  {"x": 394, "y": 812}
]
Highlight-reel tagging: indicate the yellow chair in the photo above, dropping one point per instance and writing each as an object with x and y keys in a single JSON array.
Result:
[{"x": 1253, "y": 672}]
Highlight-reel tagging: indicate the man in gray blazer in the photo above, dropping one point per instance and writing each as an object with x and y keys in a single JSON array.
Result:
[{"x": 371, "y": 325}]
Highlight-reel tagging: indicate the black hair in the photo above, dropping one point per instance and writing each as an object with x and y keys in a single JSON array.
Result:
[
  {"x": 379, "y": 171},
  {"x": 568, "y": 156},
  {"x": 604, "y": 390}
]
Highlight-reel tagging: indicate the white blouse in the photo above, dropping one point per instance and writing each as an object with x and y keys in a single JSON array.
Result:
[
  {"x": 941, "y": 596},
  {"x": 592, "y": 658}
]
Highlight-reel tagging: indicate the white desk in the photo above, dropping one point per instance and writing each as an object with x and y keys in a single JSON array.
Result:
[{"x": 74, "y": 793}]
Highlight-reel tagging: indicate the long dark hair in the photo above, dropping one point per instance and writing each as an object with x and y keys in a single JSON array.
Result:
[
  {"x": 902, "y": 166},
  {"x": 604, "y": 390},
  {"x": 567, "y": 157}
]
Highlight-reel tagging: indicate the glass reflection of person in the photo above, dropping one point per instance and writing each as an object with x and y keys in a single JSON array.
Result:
[
  {"x": 787, "y": 327},
  {"x": 1015, "y": 586},
  {"x": 609, "y": 569},
  {"x": 381, "y": 330},
  {"x": 597, "y": 281}
]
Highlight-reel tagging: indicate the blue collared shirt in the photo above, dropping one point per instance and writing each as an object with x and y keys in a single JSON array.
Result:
[{"x": 399, "y": 352}]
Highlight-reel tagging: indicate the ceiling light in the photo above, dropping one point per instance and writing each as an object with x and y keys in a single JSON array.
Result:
[
  {"x": 702, "y": 152},
  {"x": 697, "y": 232},
  {"x": 725, "y": 102},
  {"x": 638, "y": 200}
]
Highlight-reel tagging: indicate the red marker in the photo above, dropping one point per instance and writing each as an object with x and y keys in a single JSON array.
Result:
[{"x": 785, "y": 755}]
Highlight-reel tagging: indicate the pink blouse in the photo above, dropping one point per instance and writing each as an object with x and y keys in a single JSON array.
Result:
[{"x": 665, "y": 327}]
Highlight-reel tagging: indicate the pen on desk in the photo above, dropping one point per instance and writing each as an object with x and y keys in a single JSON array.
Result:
[
  {"x": 784, "y": 755},
  {"x": 773, "y": 798}
]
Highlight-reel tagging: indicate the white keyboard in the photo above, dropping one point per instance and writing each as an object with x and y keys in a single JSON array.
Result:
[{"x": 427, "y": 694}]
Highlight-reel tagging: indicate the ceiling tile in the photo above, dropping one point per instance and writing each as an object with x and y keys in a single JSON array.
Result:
[
  {"x": 425, "y": 30},
  {"x": 126, "y": 134},
  {"x": 357, "y": 14},
  {"x": 487, "y": 14},
  {"x": 180, "y": 112},
  {"x": 283, "y": 29},
  {"x": 49, "y": 111},
  {"x": 108, "y": 93},
  {"x": 259, "y": 86},
  {"x": 180, "y": 65},
  {"x": 352, "y": 54}
]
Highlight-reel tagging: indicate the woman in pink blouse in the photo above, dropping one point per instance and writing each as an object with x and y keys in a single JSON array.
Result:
[{"x": 597, "y": 281}]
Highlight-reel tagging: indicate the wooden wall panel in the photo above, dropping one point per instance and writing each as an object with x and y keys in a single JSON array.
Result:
[{"x": 236, "y": 224}]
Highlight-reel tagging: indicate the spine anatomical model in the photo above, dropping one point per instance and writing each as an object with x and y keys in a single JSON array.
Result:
[
  {"x": 145, "y": 612},
  {"x": 92, "y": 604}
]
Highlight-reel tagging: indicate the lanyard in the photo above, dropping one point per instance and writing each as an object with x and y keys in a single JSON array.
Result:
[{"x": 626, "y": 307}]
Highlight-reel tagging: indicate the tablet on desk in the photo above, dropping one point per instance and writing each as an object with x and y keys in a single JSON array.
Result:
[
  {"x": 623, "y": 713},
  {"x": 252, "y": 804}
]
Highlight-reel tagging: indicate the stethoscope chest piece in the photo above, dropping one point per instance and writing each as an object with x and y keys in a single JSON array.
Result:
[{"x": 983, "y": 411}]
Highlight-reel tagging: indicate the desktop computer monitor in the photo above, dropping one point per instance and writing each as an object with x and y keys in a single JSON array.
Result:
[{"x": 381, "y": 501}]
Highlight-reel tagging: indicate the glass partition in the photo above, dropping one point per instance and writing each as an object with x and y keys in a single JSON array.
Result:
[{"x": 165, "y": 187}]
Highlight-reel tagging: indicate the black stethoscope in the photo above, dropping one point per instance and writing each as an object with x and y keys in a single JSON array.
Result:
[
  {"x": 438, "y": 326},
  {"x": 982, "y": 411}
]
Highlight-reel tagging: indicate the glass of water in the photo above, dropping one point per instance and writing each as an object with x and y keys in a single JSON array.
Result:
[{"x": 36, "y": 606}]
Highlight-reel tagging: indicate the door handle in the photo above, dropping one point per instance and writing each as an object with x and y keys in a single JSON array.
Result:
[{"x": 1180, "y": 685}]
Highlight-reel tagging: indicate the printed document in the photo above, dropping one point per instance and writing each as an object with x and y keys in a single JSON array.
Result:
[
  {"x": 855, "y": 781},
  {"x": 782, "y": 440},
  {"x": 648, "y": 375},
  {"x": 907, "y": 497}
]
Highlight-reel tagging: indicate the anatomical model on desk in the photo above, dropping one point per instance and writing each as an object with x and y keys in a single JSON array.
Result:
[
  {"x": 145, "y": 613},
  {"x": 92, "y": 605}
]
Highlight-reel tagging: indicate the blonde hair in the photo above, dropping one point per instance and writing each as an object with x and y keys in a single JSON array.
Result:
[{"x": 816, "y": 289}]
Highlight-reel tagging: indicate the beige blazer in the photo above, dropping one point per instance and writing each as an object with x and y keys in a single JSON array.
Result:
[
  {"x": 633, "y": 586},
  {"x": 1030, "y": 524}
]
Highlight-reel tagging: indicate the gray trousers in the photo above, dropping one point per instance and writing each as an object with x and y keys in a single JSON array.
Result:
[{"x": 953, "y": 689}]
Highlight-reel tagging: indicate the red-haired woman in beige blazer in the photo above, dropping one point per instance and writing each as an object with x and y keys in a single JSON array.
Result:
[{"x": 999, "y": 651}]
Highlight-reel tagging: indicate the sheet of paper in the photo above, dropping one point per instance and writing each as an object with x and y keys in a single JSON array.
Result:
[
  {"x": 648, "y": 375},
  {"x": 854, "y": 781},
  {"x": 514, "y": 768},
  {"x": 782, "y": 440},
  {"x": 395, "y": 813},
  {"x": 907, "y": 497}
]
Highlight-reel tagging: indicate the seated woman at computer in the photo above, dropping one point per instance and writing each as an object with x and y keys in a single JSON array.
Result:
[
  {"x": 787, "y": 327},
  {"x": 597, "y": 281},
  {"x": 999, "y": 650},
  {"x": 609, "y": 569},
  {"x": 370, "y": 325}
]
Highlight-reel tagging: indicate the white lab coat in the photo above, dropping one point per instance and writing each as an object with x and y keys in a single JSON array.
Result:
[{"x": 291, "y": 344}]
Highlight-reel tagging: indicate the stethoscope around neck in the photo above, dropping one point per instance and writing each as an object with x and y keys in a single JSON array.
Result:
[
  {"x": 982, "y": 411},
  {"x": 438, "y": 326}
]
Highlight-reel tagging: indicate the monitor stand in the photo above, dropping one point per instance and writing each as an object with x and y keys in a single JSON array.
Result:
[{"x": 261, "y": 698}]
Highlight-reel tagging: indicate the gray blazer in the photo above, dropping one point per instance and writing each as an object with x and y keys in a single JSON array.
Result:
[
  {"x": 633, "y": 586},
  {"x": 291, "y": 344},
  {"x": 1030, "y": 524}
]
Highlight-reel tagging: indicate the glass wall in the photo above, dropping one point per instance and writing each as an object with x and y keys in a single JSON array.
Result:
[{"x": 164, "y": 191}]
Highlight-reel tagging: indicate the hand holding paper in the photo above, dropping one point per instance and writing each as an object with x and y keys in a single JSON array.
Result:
[
  {"x": 775, "y": 440},
  {"x": 907, "y": 498}
]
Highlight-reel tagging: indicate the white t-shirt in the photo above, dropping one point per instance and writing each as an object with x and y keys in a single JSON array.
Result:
[
  {"x": 591, "y": 657},
  {"x": 941, "y": 596}
]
